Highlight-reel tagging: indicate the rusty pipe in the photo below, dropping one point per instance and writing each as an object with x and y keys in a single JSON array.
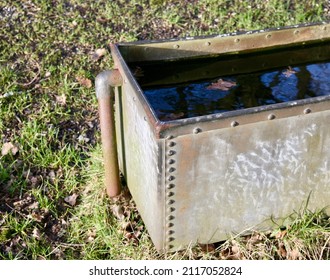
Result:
[{"x": 105, "y": 83}]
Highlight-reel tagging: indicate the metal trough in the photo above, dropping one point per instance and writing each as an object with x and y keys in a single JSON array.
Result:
[{"x": 200, "y": 179}]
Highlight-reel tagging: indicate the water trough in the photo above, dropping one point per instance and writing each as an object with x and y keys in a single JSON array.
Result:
[{"x": 217, "y": 135}]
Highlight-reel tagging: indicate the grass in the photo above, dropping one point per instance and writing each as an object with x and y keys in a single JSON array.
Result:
[{"x": 48, "y": 112}]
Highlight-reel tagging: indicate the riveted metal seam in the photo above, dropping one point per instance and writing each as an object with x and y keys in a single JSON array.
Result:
[{"x": 170, "y": 185}]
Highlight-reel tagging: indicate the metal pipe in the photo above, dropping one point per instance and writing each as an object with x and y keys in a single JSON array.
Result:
[{"x": 105, "y": 83}]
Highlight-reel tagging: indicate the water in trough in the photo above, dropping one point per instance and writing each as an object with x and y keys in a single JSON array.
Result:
[{"x": 177, "y": 90}]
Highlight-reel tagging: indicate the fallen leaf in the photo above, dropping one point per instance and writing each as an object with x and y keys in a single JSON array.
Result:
[
  {"x": 36, "y": 217},
  {"x": 98, "y": 54},
  {"x": 132, "y": 238},
  {"x": 85, "y": 82},
  {"x": 71, "y": 199},
  {"x": 125, "y": 225},
  {"x": 91, "y": 235},
  {"x": 294, "y": 254},
  {"x": 235, "y": 248},
  {"x": 102, "y": 19},
  {"x": 222, "y": 85},
  {"x": 281, "y": 234},
  {"x": 207, "y": 248},
  {"x": 34, "y": 181},
  {"x": 281, "y": 250},
  {"x": 118, "y": 212},
  {"x": 34, "y": 205},
  {"x": 61, "y": 99},
  {"x": 36, "y": 233},
  {"x": 9, "y": 147},
  {"x": 289, "y": 72}
]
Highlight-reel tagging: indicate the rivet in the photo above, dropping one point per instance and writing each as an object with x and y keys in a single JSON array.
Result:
[
  {"x": 234, "y": 123},
  {"x": 170, "y": 202},
  {"x": 170, "y": 209},
  {"x": 171, "y": 161},
  {"x": 171, "y": 169},
  {"x": 324, "y": 28},
  {"x": 134, "y": 98},
  {"x": 169, "y": 137},
  {"x": 170, "y": 232},
  {"x": 170, "y": 186},
  {"x": 197, "y": 130},
  {"x": 145, "y": 118},
  {"x": 296, "y": 32},
  {"x": 171, "y": 178},
  {"x": 176, "y": 46},
  {"x": 169, "y": 194},
  {"x": 170, "y": 153},
  {"x": 171, "y": 144},
  {"x": 268, "y": 36},
  {"x": 271, "y": 116},
  {"x": 170, "y": 239},
  {"x": 170, "y": 246},
  {"x": 208, "y": 44},
  {"x": 307, "y": 111},
  {"x": 169, "y": 225},
  {"x": 237, "y": 40},
  {"x": 170, "y": 218}
]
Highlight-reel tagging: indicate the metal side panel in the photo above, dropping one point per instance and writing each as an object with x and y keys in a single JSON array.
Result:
[
  {"x": 143, "y": 155},
  {"x": 225, "y": 181}
]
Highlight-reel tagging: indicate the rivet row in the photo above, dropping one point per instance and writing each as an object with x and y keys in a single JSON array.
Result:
[
  {"x": 270, "y": 117},
  {"x": 170, "y": 189}
]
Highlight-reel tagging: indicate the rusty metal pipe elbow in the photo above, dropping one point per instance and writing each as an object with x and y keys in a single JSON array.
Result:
[{"x": 105, "y": 83}]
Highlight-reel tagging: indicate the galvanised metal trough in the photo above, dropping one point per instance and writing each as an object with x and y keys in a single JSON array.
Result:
[{"x": 221, "y": 134}]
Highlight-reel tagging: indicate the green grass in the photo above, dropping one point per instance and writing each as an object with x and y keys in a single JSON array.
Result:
[{"x": 50, "y": 115}]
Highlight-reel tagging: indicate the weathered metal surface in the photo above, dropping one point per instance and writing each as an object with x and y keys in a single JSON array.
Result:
[
  {"x": 141, "y": 157},
  {"x": 233, "y": 179},
  {"x": 223, "y": 44},
  {"x": 200, "y": 179}
]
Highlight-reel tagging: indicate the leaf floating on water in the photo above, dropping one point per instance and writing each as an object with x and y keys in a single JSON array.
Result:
[
  {"x": 222, "y": 85},
  {"x": 289, "y": 72},
  {"x": 138, "y": 72},
  {"x": 171, "y": 116},
  {"x": 175, "y": 116}
]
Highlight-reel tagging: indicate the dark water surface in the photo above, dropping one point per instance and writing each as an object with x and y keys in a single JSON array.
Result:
[{"x": 291, "y": 76}]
